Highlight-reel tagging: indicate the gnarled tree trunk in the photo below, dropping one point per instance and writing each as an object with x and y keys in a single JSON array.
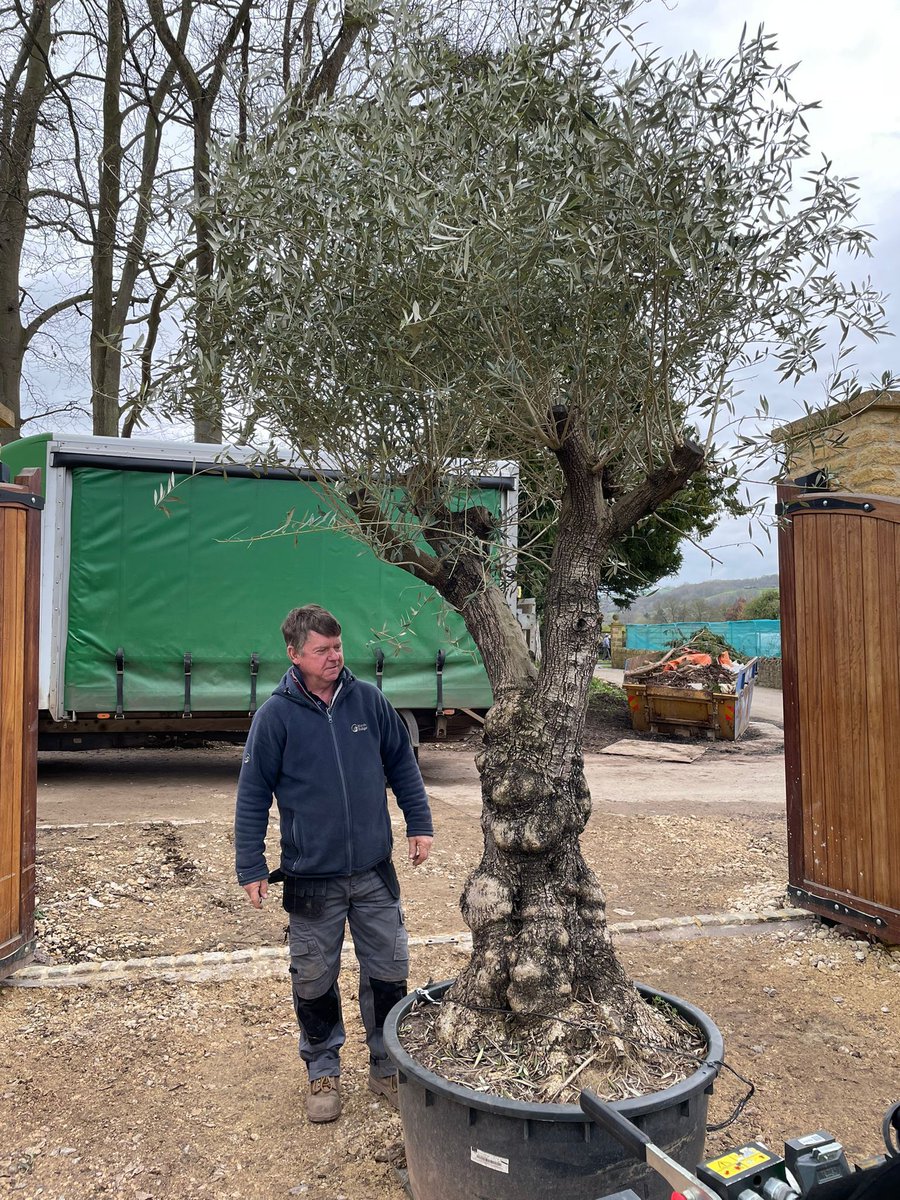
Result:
[{"x": 535, "y": 908}]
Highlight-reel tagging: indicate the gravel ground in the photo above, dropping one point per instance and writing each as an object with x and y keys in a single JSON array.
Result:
[
  {"x": 162, "y": 1089},
  {"x": 168, "y": 1088}
]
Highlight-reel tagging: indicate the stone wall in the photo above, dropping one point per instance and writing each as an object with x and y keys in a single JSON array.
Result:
[
  {"x": 769, "y": 674},
  {"x": 856, "y": 442},
  {"x": 636, "y": 657},
  {"x": 617, "y": 643}
]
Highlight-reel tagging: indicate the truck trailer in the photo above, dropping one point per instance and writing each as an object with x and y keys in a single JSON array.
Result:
[{"x": 161, "y": 620}]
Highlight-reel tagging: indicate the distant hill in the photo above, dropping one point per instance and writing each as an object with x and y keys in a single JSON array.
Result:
[{"x": 696, "y": 601}]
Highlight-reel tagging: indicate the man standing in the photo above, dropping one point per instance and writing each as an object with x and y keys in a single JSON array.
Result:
[{"x": 323, "y": 744}]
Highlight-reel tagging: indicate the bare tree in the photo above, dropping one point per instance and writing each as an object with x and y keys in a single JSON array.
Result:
[
  {"x": 119, "y": 256},
  {"x": 300, "y": 55},
  {"x": 24, "y": 95},
  {"x": 110, "y": 136},
  {"x": 63, "y": 221},
  {"x": 203, "y": 90},
  {"x": 104, "y": 349}
]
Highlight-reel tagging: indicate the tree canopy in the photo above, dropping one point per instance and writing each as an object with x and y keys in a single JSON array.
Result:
[
  {"x": 766, "y": 606},
  {"x": 455, "y": 264}
]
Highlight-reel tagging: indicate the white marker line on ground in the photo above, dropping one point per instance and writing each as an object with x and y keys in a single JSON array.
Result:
[
  {"x": 141, "y": 822},
  {"x": 270, "y": 960}
]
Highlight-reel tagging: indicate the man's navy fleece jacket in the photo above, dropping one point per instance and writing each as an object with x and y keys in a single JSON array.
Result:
[{"x": 326, "y": 768}]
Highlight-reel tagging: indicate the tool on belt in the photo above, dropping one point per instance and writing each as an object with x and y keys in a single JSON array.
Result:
[{"x": 304, "y": 895}]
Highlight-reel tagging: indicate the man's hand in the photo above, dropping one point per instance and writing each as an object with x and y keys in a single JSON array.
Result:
[
  {"x": 419, "y": 849},
  {"x": 257, "y": 892}
]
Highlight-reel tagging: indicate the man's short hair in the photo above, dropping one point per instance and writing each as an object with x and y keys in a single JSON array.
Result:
[{"x": 311, "y": 618}]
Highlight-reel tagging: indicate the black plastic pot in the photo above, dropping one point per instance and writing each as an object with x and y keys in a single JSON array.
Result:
[{"x": 467, "y": 1145}]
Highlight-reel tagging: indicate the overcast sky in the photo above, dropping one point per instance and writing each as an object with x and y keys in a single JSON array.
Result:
[{"x": 847, "y": 60}]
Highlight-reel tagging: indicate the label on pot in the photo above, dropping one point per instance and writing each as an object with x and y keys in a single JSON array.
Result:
[{"x": 494, "y": 1161}]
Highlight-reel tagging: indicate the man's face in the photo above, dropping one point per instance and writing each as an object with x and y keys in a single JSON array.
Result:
[{"x": 320, "y": 660}]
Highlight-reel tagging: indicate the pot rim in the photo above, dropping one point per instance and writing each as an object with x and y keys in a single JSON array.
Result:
[{"x": 701, "y": 1079}]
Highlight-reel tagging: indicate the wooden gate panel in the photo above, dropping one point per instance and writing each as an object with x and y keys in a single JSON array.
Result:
[
  {"x": 835, "y": 606},
  {"x": 888, "y": 813},
  {"x": 884, "y": 714},
  {"x": 840, "y": 574},
  {"x": 11, "y": 634},
  {"x": 812, "y": 763},
  {"x": 876, "y": 556},
  {"x": 31, "y": 480},
  {"x": 859, "y": 770},
  {"x": 19, "y": 584}
]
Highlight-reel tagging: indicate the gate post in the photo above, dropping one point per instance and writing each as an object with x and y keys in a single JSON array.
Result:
[
  {"x": 20, "y": 533},
  {"x": 785, "y": 494}
]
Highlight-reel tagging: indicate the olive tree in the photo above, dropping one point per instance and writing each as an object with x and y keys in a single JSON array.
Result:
[{"x": 564, "y": 251}]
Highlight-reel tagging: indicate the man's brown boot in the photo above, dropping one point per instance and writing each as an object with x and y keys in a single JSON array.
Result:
[
  {"x": 324, "y": 1100},
  {"x": 387, "y": 1086}
]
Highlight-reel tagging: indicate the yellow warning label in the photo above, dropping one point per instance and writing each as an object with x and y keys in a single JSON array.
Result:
[{"x": 738, "y": 1161}]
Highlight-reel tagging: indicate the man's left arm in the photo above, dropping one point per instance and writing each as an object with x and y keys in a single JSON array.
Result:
[{"x": 405, "y": 781}]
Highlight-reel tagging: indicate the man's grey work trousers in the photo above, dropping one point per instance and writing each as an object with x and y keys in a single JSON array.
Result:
[{"x": 382, "y": 948}]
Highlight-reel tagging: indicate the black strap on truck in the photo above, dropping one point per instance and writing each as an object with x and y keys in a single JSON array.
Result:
[
  {"x": 254, "y": 672},
  {"x": 439, "y": 661},
  {"x": 120, "y": 683},
  {"x": 188, "y": 666},
  {"x": 379, "y": 669}
]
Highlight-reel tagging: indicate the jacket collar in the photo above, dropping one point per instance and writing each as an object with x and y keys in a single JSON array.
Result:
[{"x": 294, "y": 688}]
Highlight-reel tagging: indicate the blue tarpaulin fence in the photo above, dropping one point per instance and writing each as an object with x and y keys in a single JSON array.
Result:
[{"x": 760, "y": 639}]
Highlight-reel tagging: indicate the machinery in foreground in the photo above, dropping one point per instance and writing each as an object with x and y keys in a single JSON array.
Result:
[{"x": 812, "y": 1167}]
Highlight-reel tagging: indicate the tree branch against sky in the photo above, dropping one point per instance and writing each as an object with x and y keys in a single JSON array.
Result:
[
  {"x": 93, "y": 189},
  {"x": 560, "y": 252},
  {"x": 106, "y": 135},
  {"x": 23, "y": 94}
]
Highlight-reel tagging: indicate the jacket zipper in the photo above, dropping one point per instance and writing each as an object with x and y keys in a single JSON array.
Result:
[{"x": 340, "y": 765}]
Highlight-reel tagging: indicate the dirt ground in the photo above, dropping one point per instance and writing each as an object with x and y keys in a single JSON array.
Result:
[{"x": 168, "y": 1088}]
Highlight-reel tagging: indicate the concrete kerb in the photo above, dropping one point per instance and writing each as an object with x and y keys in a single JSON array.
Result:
[{"x": 264, "y": 961}]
